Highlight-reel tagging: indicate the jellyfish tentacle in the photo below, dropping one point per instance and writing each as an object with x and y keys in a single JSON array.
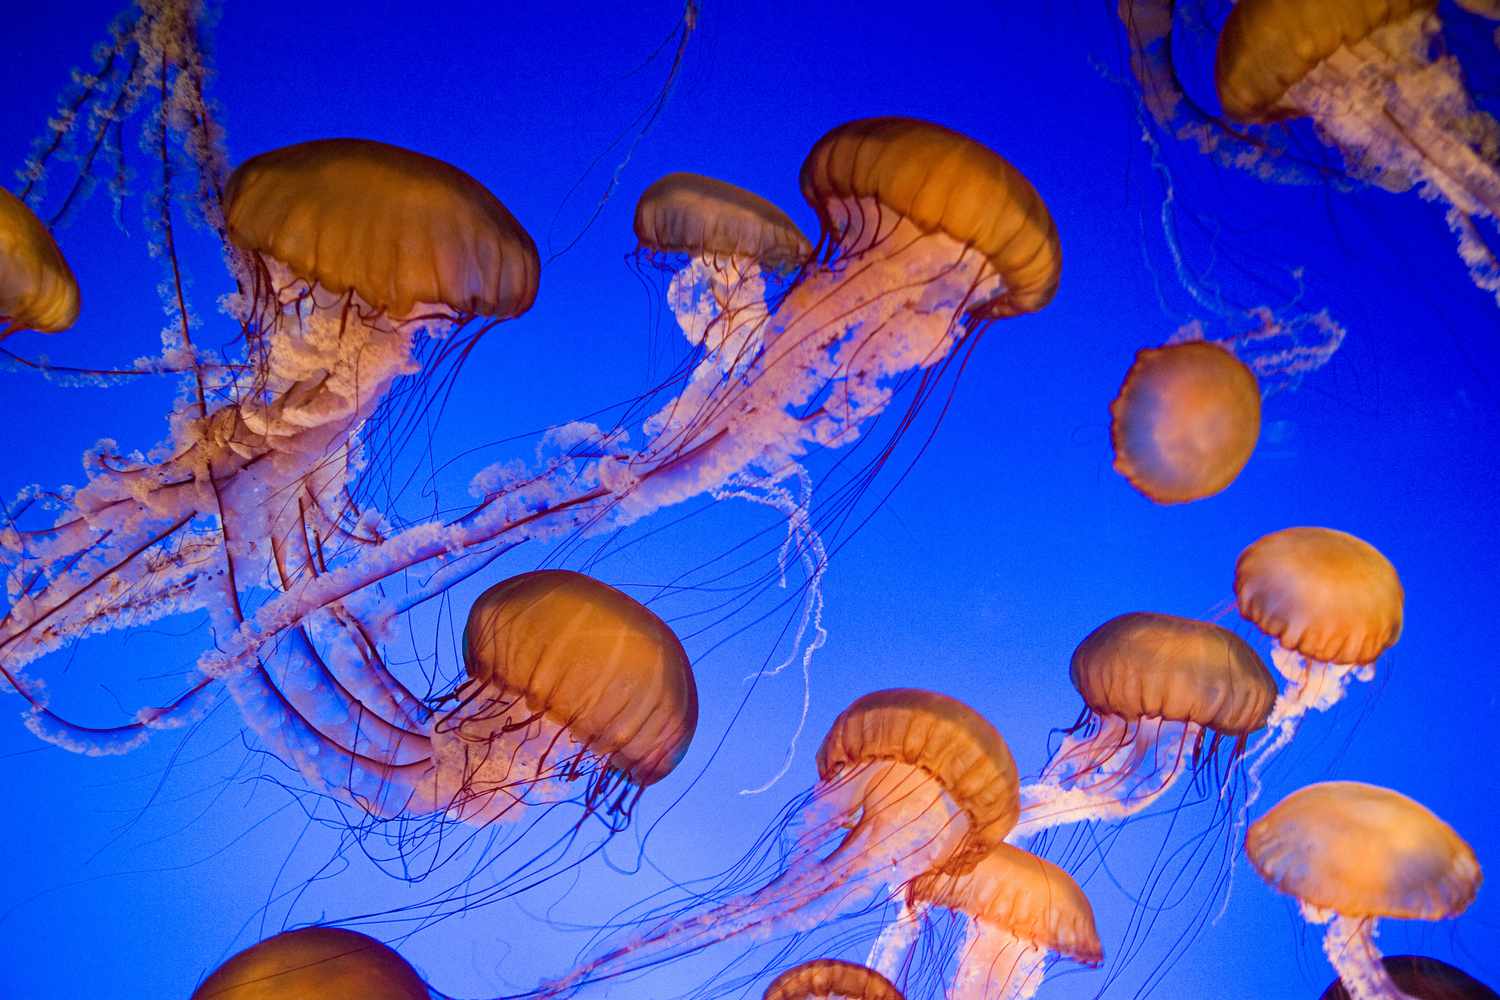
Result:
[
  {"x": 897, "y": 822},
  {"x": 1349, "y": 944},
  {"x": 995, "y": 964},
  {"x": 891, "y": 947}
]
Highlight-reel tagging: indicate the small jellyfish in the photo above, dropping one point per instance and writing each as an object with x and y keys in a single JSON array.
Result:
[
  {"x": 909, "y": 781},
  {"x": 1161, "y": 694},
  {"x": 569, "y": 682},
  {"x": 315, "y": 963},
  {"x": 730, "y": 238},
  {"x": 1332, "y": 602},
  {"x": 831, "y": 979},
  {"x": 1351, "y": 853},
  {"x": 37, "y": 288},
  {"x": 1423, "y": 978},
  {"x": 1366, "y": 74},
  {"x": 1023, "y": 912},
  {"x": 569, "y": 679},
  {"x": 1185, "y": 421}
]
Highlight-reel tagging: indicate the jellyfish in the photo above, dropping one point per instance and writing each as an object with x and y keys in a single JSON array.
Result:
[
  {"x": 909, "y": 781},
  {"x": 37, "y": 288},
  {"x": 1365, "y": 74},
  {"x": 1161, "y": 695},
  {"x": 564, "y": 667},
  {"x": 1423, "y": 978},
  {"x": 831, "y": 979},
  {"x": 728, "y": 236},
  {"x": 1351, "y": 853},
  {"x": 1333, "y": 605},
  {"x": 1022, "y": 912},
  {"x": 315, "y": 963},
  {"x": 571, "y": 684},
  {"x": 1185, "y": 421}
]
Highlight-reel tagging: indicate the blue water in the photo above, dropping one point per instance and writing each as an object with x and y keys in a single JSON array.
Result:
[{"x": 1009, "y": 539}]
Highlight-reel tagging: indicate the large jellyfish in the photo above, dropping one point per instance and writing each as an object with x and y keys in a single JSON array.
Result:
[
  {"x": 1022, "y": 913},
  {"x": 37, "y": 288},
  {"x": 1351, "y": 853},
  {"x": 909, "y": 781},
  {"x": 1333, "y": 604},
  {"x": 831, "y": 979},
  {"x": 1185, "y": 421},
  {"x": 1423, "y": 978},
  {"x": 315, "y": 963},
  {"x": 1364, "y": 72},
  {"x": 1161, "y": 694}
]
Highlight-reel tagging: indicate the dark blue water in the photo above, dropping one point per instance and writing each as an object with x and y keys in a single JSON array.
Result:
[{"x": 1007, "y": 540}]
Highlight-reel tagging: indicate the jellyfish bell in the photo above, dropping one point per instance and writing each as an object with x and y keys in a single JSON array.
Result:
[
  {"x": 873, "y": 179},
  {"x": 1365, "y": 73},
  {"x": 729, "y": 238},
  {"x": 401, "y": 231},
  {"x": 37, "y": 288},
  {"x": 1422, "y": 978},
  {"x": 1351, "y": 853},
  {"x": 909, "y": 781},
  {"x": 705, "y": 217},
  {"x": 1021, "y": 912},
  {"x": 1333, "y": 604},
  {"x": 1161, "y": 695},
  {"x": 831, "y": 979},
  {"x": 568, "y": 679},
  {"x": 1321, "y": 593},
  {"x": 315, "y": 963},
  {"x": 1185, "y": 421}
]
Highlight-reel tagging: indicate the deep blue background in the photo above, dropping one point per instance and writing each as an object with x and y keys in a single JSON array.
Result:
[{"x": 1009, "y": 541}]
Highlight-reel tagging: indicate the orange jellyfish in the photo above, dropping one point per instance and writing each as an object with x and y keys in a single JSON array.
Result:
[
  {"x": 1022, "y": 913},
  {"x": 570, "y": 683},
  {"x": 831, "y": 979},
  {"x": 1351, "y": 853},
  {"x": 569, "y": 680},
  {"x": 909, "y": 781},
  {"x": 1423, "y": 978},
  {"x": 315, "y": 963},
  {"x": 730, "y": 238},
  {"x": 37, "y": 288},
  {"x": 1161, "y": 694},
  {"x": 1333, "y": 604},
  {"x": 1185, "y": 421},
  {"x": 1365, "y": 73}
]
